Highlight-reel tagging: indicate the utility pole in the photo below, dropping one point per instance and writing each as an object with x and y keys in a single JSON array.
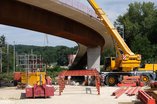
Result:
[
  {"x": 1, "y": 60},
  {"x": 14, "y": 59},
  {"x": 8, "y": 58},
  {"x": 2, "y": 43}
]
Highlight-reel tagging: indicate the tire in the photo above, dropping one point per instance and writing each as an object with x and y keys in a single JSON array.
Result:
[
  {"x": 145, "y": 78},
  {"x": 111, "y": 80}
]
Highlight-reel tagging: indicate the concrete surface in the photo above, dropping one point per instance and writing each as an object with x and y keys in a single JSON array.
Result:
[
  {"x": 93, "y": 58},
  {"x": 71, "y": 95}
]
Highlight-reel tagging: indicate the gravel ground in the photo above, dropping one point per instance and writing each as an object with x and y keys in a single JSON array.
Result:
[{"x": 70, "y": 95}]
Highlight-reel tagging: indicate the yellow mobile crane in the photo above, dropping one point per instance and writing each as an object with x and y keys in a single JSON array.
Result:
[{"x": 126, "y": 63}]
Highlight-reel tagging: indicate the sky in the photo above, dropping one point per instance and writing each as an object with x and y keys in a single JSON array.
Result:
[{"x": 113, "y": 9}]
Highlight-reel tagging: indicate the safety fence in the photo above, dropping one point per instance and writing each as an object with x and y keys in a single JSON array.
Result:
[{"x": 80, "y": 6}]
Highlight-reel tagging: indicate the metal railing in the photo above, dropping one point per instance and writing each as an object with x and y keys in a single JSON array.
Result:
[{"x": 80, "y": 6}]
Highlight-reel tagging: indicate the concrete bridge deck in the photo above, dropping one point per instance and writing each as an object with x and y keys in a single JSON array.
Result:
[{"x": 69, "y": 21}]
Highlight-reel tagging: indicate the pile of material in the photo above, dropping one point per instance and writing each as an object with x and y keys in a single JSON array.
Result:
[
  {"x": 145, "y": 98},
  {"x": 131, "y": 81},
  {"x": 130, "y": 91},
  {"x": 153, "y": 84},
  {"x": 151, "y": 92}
]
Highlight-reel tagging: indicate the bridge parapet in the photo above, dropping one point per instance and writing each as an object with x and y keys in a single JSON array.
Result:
[{"x": 80, "y": 6}]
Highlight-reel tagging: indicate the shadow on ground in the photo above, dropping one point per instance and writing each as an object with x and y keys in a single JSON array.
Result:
[
  {"x": 133, "y": 102},
  {"x": 23, "y": 96}
]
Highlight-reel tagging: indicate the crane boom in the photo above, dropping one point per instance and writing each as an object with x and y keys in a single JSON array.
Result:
[
  {"x": 126, "y": 59},
  {"x": 110, "y": 28}
]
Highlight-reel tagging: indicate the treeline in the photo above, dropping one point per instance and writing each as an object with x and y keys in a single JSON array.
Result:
[
  {"x": 51, "y": 55},
  {"x": 140, "y": 23}
]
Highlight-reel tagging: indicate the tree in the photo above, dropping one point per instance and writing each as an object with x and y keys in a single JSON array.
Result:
[
  {"x": 140, "y": 22},
  {"x": 49, "y": 54},
  {"x": 146, "y": 51},
  {"x": 2, "y": 40},
  {"x": 62, "y": 54}
]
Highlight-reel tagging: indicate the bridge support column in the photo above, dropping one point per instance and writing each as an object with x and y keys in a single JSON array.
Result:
[{"x": 93, "y": 58}]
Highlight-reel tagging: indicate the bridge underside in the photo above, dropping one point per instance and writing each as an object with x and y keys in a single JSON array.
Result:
[{"x": 18, "y": 14}]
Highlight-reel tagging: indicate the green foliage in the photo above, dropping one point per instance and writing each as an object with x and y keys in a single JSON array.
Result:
[
  {"x": 2, "y": 40},
  {"x": 7, "y": 59},
  {"x": 53, "y": 72},
  {"x": 50, "y": 55},
  {"x": 108, "y": 52},
  {"x": 6, "y": 77},
  {"x": 146, "y": 51},
  {"x": 140, "y": 22},
  {"x": 58, "y": 54}
]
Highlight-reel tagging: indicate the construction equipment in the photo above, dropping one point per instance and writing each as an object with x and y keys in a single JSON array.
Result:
[
  {"x": 31, "y": 78},
  {"x": 39, "y": 91},
  {"x": 126, "y": 62},
  {"x": 17, "y": 78},
  {"x": 38, "y": 85}
]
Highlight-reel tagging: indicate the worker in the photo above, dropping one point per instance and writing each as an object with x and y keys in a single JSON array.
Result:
[{"x": 69, "y": 80}]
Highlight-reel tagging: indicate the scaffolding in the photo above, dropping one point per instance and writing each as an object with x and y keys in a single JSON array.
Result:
[{"x": 30, "y": 62}]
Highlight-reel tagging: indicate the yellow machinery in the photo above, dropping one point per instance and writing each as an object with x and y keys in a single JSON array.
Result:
[
  {"x": 126, "y": 61},
  {"x": 32, "y": 78},
  {"x": 148, "y": 67}
]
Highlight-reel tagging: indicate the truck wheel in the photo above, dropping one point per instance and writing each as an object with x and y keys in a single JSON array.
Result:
[
  {"x": 145, "y": 78},
  {"x": 111, "y": 80}
]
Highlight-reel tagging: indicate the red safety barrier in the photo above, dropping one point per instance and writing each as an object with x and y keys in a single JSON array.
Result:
[{"x": 145, "y": 98}]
